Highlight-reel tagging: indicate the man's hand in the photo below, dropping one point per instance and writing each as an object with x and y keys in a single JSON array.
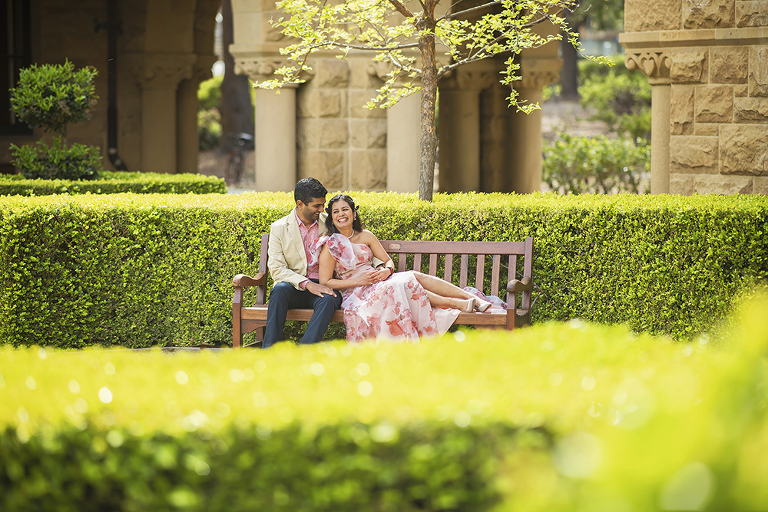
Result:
[{"x": 319, "y": 289}]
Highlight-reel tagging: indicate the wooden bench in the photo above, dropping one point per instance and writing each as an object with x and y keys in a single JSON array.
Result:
[{"x": 502, "y": 259}]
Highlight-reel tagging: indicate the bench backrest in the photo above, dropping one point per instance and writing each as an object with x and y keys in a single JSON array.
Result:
[
  {"x": 491, "y": 265},
  {"x": 505, "y": 261}
]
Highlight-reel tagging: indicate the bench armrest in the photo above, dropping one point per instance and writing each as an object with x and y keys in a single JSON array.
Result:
[
  {"x": 519, "y": 285},
  {"x": 242, "y": 280}
]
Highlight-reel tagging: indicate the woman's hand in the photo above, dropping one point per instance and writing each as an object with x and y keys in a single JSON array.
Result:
[{"x": 373, "y": 276}]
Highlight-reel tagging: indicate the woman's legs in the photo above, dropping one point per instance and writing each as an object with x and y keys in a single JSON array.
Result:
[{"x": 441, "y": 293}]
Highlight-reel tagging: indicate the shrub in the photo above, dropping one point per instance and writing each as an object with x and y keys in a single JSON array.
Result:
[
  {"x": 566, "y": 417},
  {"x": 209, "y": 93},
  {"x": 52, "y": 96},
  {"x": 208, "y": 129},
  {"x": 621, "y": 98},
  {"x": 599, "y": 165},
  {"x": 57, "y": 162},
  {"x": 143, "y": 270},
  {"x": 110, "y": 182}
]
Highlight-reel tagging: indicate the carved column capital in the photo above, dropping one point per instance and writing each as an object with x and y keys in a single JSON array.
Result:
[
  {"x": 202, "y": 70},
  {"x": 381, "y": 69},
  {"x": 160, "y": 70},
  {"x": 477, "y": 79},
  {"x": 654, "y": 64},
  {"x": 537, "y": 73},
  {"x": 537, "y": 79},
  {"x": 260, "y": 69}
]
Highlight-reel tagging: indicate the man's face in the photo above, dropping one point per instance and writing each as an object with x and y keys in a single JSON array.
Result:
[{"x": 309, "y": 213}]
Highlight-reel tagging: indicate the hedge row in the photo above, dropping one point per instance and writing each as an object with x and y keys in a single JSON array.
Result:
[
  {"x": 555, "y": 417},
  {"x": 111, "y": 182},
  {"x": 143, "y": 270}
]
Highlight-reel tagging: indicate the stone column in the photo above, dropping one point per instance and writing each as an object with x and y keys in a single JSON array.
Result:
[
  {"x": 188, "y": 148},
  {"x": 459, "y": 129},
  {"x": 525, "y": 144},
  {"x": 274, "y": 127},
  {"x": 403, "y": 148},
  {"x": 159, "y": 75},
  {"x": 655, "y": 64}
]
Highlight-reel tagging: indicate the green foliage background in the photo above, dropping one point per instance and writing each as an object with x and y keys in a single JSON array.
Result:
[
  {"x": 112, "y": 182},
  {"x": 564, "y": 417},
  {"x": 142, "y": 270}
]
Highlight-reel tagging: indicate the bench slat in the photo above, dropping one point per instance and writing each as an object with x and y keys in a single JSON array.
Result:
[
  {"x": 495, "y": 275},
  {"x": 417, "y": 262},
  {"x": 444, "y": 247},
  {"x": 480, "y": 272},
  {"x": 433, "y": 264},
  {"x": 401, "y": 263},
  {"x": 464, "y": 270},
  {"x": 448, "y": 274}
]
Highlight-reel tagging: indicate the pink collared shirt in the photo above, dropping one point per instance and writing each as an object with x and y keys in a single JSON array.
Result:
[{"x": 309, "y": 236}]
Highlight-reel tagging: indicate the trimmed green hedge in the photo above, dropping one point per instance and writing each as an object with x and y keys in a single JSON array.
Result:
[
  {"x": 111, "y": 182},
  {"x": 556, "y": 417},
  {"x": 143, "y": 270}
]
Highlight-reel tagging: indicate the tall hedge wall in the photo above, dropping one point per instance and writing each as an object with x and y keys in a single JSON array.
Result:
[{"x": 142, "y": 270}]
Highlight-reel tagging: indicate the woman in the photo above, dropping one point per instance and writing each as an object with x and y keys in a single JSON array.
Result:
[{"x": 377, "y": 302}]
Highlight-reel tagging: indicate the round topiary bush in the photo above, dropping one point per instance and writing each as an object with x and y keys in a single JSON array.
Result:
[{"x": 50, "y": 97}]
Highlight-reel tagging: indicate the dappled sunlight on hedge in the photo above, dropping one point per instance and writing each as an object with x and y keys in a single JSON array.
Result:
[{"x": 559, "y": 416}]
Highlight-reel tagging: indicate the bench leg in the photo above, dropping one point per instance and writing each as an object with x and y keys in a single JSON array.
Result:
[
  {"x": 511, "y": 318},
  {"x": 237, "y": 328}
]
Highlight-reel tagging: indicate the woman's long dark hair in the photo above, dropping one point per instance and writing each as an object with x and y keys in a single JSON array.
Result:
[{"x": 357, "y": 223}]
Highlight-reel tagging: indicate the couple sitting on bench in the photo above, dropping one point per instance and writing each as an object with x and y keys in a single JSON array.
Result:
[{"x": 315, "y": 255}]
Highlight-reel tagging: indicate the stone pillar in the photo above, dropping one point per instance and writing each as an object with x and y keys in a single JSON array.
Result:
[
  {"x": 188, "y": 148},
  {"x": 403, "y": 148},
  {"x": 525, "y": 144},
  {"x": 655, "y": 64},
  {"x": 159, "y": 75},
  {"x": 459, "y": 129},
  {"x": 274, "y": 127}
]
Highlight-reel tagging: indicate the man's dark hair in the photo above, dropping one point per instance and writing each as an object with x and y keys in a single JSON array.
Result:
[{"x": 308, "y": 189}]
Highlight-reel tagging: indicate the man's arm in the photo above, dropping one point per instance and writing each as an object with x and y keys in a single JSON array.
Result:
[{"x": 278, "y": 266}]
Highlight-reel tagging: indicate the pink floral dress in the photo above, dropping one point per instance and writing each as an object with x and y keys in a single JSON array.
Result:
[{"x": 396, "y": 309}]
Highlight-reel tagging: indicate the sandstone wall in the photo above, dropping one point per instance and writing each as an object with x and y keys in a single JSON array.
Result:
[
  {"x": 717, "y": 58},
  {"x": 335, "y": 132}
]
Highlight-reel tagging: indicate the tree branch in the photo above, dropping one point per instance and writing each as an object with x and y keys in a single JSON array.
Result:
[
  {"x": 452, "y": 15},
  {"x": 399, "y": 7}
]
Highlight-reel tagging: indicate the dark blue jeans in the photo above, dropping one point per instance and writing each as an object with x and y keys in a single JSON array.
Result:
[{"x": 284, "y": 297}]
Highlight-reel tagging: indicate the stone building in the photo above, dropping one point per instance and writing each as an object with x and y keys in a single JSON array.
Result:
[
  {"x": 484, "y": 146},
  {"x": 151, "y": 57},
  {"x": 707, "y": 63}
]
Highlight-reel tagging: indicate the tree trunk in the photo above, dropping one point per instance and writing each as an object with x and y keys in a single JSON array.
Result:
[
  {"x": 428, "y": 141},
  {"x": 235, "y": 107}
]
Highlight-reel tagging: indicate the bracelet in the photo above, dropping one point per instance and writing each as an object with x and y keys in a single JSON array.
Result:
[{"x": 391, "y": 270}]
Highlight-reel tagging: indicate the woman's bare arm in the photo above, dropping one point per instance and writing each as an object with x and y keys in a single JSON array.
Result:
[
  {"x": 378, "y": 251},
  {"x": 327, "y": 264}
]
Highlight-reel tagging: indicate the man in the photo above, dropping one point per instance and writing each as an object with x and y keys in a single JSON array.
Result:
[{"x": 296, "y": 284}]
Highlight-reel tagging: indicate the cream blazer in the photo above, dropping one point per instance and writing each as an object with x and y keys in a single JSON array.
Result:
[{"x": 287, "y": 259}]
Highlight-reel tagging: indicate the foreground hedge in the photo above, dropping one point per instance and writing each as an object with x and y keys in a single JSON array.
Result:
[
  {"x": 142, "y": 270},
  {"x": 115, "y": 182},
  {"x": 555, "y": 417}
]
